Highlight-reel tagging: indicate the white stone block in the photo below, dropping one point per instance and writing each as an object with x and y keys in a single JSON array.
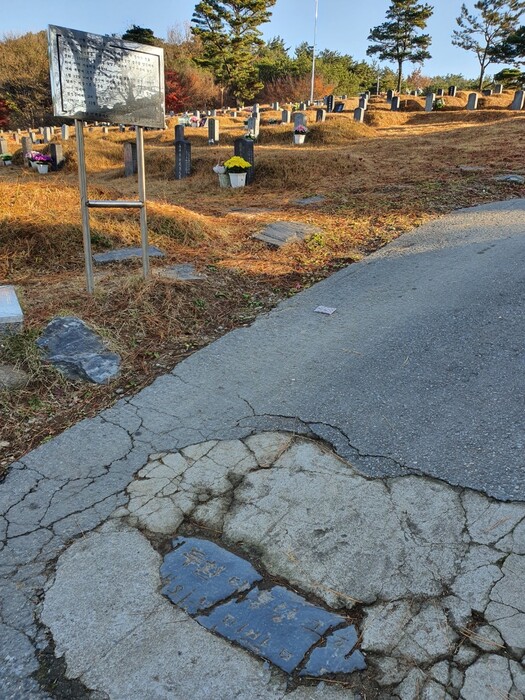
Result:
[{"x": 11, "y": 315}]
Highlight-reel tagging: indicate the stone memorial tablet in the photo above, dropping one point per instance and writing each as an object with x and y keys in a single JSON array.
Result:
[{"x": 102, "y": 78}]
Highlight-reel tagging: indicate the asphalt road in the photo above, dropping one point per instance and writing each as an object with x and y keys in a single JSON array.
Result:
[{"x": 421, "y": 367}]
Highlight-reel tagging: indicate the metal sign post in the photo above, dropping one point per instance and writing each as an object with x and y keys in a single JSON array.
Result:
[
  {"x": 105, "y": 79},
  {"x": 142, "y": 197},
  {"x": 82, "y": 179}
]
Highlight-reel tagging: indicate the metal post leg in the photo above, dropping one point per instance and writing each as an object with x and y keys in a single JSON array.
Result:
[
  {"x": 79, "y": 131},
  {"x": 142, "y": 198}
]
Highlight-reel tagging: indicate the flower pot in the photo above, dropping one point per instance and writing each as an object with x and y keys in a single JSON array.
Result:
[
  {"x": 298, "y": 138},
  {"x": 237, "y": 179},
  {"x": 224, "y": 180},
  {"x": 42, "y": 168},
  {"x": 33, "y": 164}
]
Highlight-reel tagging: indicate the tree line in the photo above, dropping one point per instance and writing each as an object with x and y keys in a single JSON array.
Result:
[{"x": 221, "y": 58}]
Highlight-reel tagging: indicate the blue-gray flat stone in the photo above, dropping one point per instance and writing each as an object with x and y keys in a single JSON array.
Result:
[
  {"x": 126, "y": 254},
  {"x": 336, "y": 656},
  {"x": 515, "y": 179},
  {"x": 280, "y": 232},
  {"x": 77, "y": 351},
  {"x": 316, "y": 199},
  {"x": 277, "y": 624},
  {"x": 183, "y": 271},
  {"x": 200, "y": 574}
]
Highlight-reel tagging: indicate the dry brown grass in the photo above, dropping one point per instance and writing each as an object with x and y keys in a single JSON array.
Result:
[{"x": 379, "y": 180}]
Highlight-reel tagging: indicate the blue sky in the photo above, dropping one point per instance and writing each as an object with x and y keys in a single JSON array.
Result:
[{"x": 343, "y": 24}]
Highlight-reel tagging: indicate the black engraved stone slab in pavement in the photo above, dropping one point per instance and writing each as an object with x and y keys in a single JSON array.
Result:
[
  {"x": 200, "y": 574},
  {"x": 280, "y": 232},
  {"x": 336, "y": 656},
  {"x": 276, "y": 624},
  {"x": 126, "y": 254}
]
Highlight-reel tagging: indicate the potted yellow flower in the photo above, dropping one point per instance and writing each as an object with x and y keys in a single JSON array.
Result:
[{"x": 237, "y": 168}]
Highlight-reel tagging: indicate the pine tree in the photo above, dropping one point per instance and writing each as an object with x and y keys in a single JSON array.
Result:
[
  {"x": 482, "y": 31},
  {"x": 399, "y": 39},
  {"x": 141, "y": 35},
  {"x": 230, "y": 36},
  {"x": 512, "y": 49}
]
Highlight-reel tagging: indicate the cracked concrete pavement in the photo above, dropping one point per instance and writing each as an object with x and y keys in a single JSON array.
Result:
[{"x": 416, "y": 381}]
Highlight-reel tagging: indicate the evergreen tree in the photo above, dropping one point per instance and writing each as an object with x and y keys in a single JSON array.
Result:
[
  {"x": 230, "y": 36},
  {"x": 273, "y": 61},
  {"x": 483, "y": 30},
  {"x": 399, "y": 39},
  {"x": 141, "y": 35},
  {"x": 512, "y": 49}
]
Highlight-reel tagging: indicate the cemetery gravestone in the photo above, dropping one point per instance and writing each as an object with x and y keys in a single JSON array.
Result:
[
  {"x": 320, "y": 115},
  {"x": 389, "y": 95},
  {"x": 299, "y": 119},
  {"x": 179, "y": 132},
  {"x": 452, "y": 91},
  {"x": 359, "y": 114},
  {"x": 472, "y": 101},
  {"x": 363, "y": 102},
  {"x": 244, "y": 148},
  {"x": 11, "y": 315},
  {"x": 26, "y": 148},
  {"x": 519, "y": 99},
  {"x": 339, "y": 107},
  {"x": 57, "y": 156},
  {"x": 286, "y": 116},
  {"x": 498, "y": 89},
  {"x": 440, "y": 92},
  {"x": 130, "y": 159},
  {"x": 105, "y": 130},
  {"x": 3, "y": 146},
  {"x": 182, "y": 159},
  {"x": 253, "y": 126},
  {"x": 486, "y": 93},
  {"x": 396, "y": 101},
  {"x": 429, "y": 102},
  {"x": 330, "y": 103},
  {"x": 213, "y": 131},
  {"x": 302, "y": 105},
  {"x": 64, "y": 132},
  {"x": 47, "y": 134}
]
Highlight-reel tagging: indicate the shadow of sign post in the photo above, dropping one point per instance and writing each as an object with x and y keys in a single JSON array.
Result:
[{"x": 102, "y": 78}]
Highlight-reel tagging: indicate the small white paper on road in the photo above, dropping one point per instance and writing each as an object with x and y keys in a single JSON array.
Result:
[{"x": 325, "y": 310}]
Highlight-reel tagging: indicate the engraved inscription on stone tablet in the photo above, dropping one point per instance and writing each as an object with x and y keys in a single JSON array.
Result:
[{"x": 106, "y": 79}]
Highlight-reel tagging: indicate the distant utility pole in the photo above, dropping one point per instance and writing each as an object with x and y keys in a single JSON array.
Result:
[{"x": 313, "y": 51}]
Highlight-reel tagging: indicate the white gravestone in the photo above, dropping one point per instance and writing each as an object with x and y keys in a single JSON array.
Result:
[{"x": 11, "y": 315}]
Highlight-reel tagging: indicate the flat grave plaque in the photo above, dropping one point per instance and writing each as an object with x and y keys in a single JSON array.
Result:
[
  {"x": 126, "y": 254},
  {"x": 280, "y": 232},
  {"x": 102, "y": 78}
]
